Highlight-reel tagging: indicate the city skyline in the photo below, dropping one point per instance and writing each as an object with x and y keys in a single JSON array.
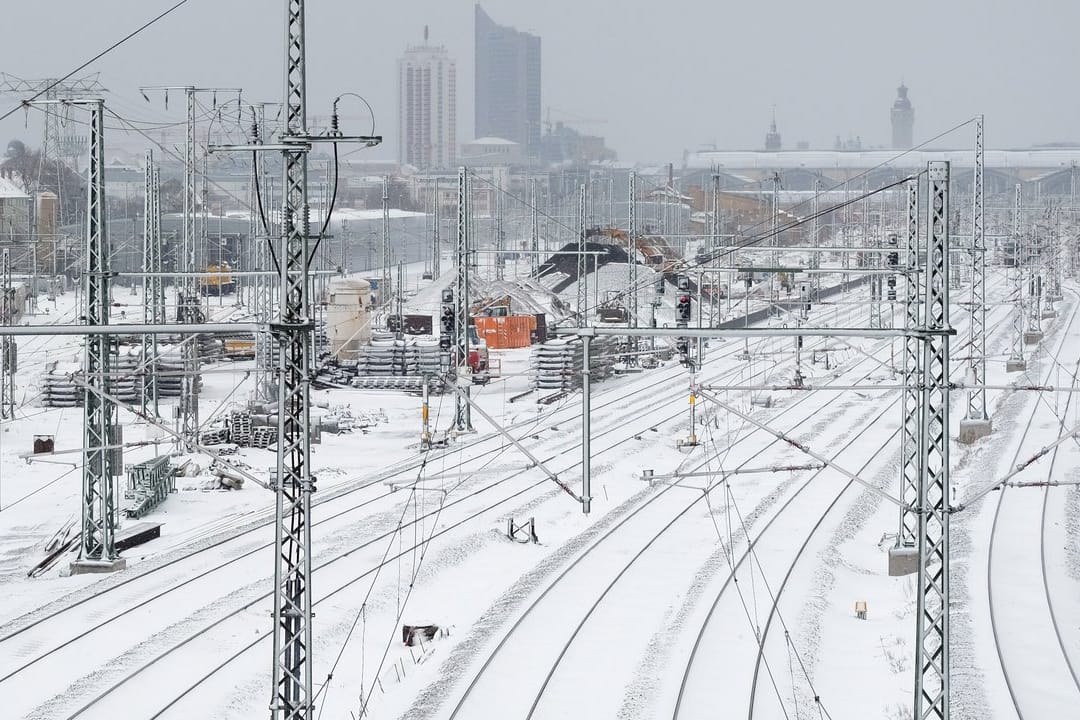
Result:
[{"x": 653, "y": 81}]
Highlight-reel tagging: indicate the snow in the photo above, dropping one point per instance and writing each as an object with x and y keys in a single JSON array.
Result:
[{"x": 403, "y": 538}]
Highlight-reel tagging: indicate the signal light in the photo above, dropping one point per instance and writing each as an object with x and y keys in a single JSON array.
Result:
[{"x": 682, "y": 309}]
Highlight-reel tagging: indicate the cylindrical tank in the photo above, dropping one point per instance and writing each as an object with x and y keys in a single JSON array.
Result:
[{"x": 348, "y": 317}]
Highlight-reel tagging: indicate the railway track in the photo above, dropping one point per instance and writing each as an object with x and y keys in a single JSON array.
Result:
[
  {"x": 698, "y": 683},
  {"x": 247, "y": 604},
  {"x": 525, "y": 652},
  {"x": 1038, "y": 657}
]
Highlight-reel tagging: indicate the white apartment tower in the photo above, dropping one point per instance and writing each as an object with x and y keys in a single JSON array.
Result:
[{"x": 427, "y": 107}]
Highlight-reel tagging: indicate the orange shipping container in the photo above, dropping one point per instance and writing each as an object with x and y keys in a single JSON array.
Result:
[{"x": 514, "y": 331}]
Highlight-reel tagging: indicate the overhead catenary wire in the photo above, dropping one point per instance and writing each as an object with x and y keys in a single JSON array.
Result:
[{"x": 97, "y": 57}]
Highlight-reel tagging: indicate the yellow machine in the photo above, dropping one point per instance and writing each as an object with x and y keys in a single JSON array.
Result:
[{"x": 221, "y": 284}]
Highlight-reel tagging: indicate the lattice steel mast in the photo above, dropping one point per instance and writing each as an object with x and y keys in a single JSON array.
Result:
[
  {"x": 976, "y": 423},
  {"x": 1016, "y": 361},
  {"x": 153, "y": 285},
  {"x": 385, "y": 295},
  {"x": 187, "y": 296},
  {"x": 7, "y": 344},
  {"x": 187, "y": 299},
  {"x": 436, "y": 242},
  {"x": 582, "y": 308},
  {"x": 460, "y": 357},
  {"x": 631, "y": 249},
  {"x": 500, "y": 237},
  {"x": 534, "y": 213},
  {"x": 932, "y": 629},
  {"x": 904, "y": 558},
  {"x": 97, "y": 548},
  {"x": 1034, "y": 331},
  {"x": 262, "y": 235},
  {"x": 293, "y": 689}
]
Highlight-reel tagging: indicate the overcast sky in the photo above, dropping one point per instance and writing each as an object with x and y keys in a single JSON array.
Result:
[{"x": 665, "y": 76}]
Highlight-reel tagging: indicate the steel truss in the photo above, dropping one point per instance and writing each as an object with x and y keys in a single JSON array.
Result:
[
  {"x": 911, "y": 399},
  {"x": 1035, "y": 284},
  {"x": 188, "y": 299},
  {"x": 8, "y": 347},
  {"x": 153, "y": 285},
  {"x": 631, "y": 250},
  {"x": 582, "y": 308},
  {"x": 385, "y": 295},
  {"x": 1016, "y": 354},
  {"x": 460, "y": 359},
  {"x": 534, "y": 221},
  {"x": 292, "y": 684},
  {"x": 98, "y": 499},
  {"x": 500, "y": 265},
  {"x": 932, "y": 629},
  {"x": 436, "y": 242},
  {"x": 976, "y": 398},
  {"x": 263, "y": 301}
]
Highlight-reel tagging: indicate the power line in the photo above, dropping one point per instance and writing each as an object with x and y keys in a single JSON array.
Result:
[{"x": 94, "y": 59}]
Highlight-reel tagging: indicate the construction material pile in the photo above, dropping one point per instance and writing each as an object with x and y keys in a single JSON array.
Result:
[
  {"x": 557, "y": 364},
  {"x": 62, "y": 385},
  {"x": 387, "y": 363}
]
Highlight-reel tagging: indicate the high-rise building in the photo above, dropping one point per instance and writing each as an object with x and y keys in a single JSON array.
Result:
[
  {"x": 427, "y": 107},
  {"x": 507, "y": 84},
  {"x": 903, "y": 120}
]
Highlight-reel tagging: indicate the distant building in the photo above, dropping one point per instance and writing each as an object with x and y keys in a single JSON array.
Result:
[
  {"x": 507, "y": 84},
  {"x": 427, "y": 107},
  {"x": 562, "y": 144},
  {"x": 772, "y": 138},
  {"x": 903, "y": 120},
  {"x": 492, "y": 151},
  {"x": 14, "y": 211}
]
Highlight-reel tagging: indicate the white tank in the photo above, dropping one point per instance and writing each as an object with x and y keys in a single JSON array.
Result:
[{"x": 348, "y": 317}]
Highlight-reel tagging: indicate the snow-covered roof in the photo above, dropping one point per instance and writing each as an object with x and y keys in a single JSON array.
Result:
[
  {"x": 492, "y": 141},
  {"x": 863, "y": 159},
  {"x": 10, "y": 191}
]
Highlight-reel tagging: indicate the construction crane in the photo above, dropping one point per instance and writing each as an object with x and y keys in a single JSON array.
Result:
[{"x": 571, "y": 118}]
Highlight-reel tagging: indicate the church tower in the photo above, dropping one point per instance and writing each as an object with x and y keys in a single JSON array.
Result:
[{"x": 903, "y": 120}]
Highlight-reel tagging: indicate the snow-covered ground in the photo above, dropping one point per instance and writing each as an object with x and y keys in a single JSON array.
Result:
[{"x": 730, "y": 591}]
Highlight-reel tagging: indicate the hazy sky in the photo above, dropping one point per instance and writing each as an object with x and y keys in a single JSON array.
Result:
[{"x": 666, "y": 76}]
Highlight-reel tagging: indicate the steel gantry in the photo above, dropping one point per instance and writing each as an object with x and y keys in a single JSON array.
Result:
[
  {"x": 932, "y": 629},
  {"x": 436, "y": 241},
  {"x": 905, "y": 556},
  {"x": 8, "y": 361},
  {"x": 384, "y": 245},
  {"x": 263, "y": 234},
  {"x": 631, "y": 249},
  {"x": 187, "y": 299},
  {"x": 292, "y": 686},
  {"x": 153, "y": 284},
  {"x": 582, "y": 308},
  {"x": 187, "y": 296},
  {"x": 1033, "y": 334},
  {"x": 500, "y": 236},
  {"x": 534, "y": 223},
  {"x": 460, "y": 358},
  {"x": 976, "y": 424},
  {"x": 1016, "y": 362},
  {"x": 97, "y": 548}
]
